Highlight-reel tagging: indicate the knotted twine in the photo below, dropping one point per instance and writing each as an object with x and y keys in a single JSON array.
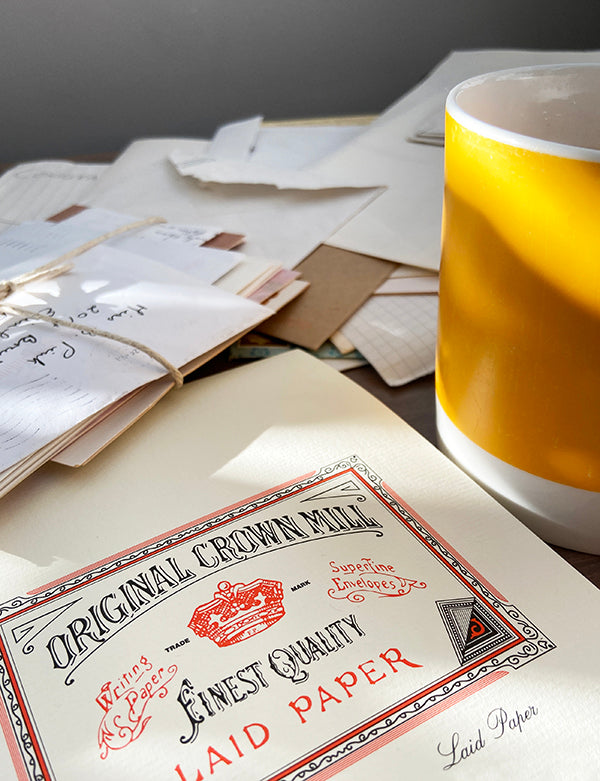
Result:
[{"x": 62, "y": 265}]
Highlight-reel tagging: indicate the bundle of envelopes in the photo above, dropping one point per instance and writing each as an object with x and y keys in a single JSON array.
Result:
[
  {"x": 322, "y": 236},
  {"x": 86, "y": 349}
]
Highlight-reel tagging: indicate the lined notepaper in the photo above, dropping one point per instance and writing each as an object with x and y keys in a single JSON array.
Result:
[{"x": 36, "y": 191}]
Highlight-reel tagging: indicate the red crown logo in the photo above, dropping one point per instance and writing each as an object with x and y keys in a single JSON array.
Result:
[{"x": 239, "y": 612}]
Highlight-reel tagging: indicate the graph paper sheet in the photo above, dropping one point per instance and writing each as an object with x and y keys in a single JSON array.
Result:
[{"x": 396, "y": 334}]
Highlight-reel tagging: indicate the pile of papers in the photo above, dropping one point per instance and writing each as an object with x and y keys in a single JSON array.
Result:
[{"x": 265, "y": 238}]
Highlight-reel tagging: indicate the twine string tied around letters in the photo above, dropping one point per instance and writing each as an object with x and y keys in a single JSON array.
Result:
[{"x": 62, "y": 265}]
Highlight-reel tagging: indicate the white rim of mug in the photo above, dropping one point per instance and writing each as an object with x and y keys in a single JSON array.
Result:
[{"x": 510, "y": 137}]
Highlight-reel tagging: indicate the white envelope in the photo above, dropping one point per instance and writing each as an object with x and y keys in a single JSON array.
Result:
[{"x": 281, "y": 226}]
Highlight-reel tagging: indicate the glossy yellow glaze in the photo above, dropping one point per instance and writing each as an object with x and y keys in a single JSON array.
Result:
[{"x": 518, "y": 359}]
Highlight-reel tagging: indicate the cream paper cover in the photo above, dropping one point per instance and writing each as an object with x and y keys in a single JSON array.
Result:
[{"x": 271, "y": 576}]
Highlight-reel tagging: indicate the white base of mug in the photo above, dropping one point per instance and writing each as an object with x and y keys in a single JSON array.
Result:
[{"x": 559, "y": 514}]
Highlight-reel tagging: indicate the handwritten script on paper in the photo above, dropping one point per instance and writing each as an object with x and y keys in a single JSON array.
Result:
[{"x": 52, "y": 378}]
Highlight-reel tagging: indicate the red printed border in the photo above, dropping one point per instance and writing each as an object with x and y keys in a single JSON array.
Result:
[{"x": 340, "y": 739}]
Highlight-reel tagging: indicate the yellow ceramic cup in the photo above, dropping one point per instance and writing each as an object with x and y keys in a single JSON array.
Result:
[{"x": 518, "y": 357}]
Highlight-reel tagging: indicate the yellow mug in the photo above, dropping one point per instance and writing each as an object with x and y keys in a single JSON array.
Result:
[{"x": 518, "y": 353}]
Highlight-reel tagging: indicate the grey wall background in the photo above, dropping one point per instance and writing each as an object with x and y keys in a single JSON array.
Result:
[{"x": 81, "y": 76}]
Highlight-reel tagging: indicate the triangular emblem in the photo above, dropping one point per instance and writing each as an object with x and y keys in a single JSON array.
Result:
[{"x": 474, "y": 629}]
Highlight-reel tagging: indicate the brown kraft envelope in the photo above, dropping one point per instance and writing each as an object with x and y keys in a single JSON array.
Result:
[{"x": 340, "y": 282}]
